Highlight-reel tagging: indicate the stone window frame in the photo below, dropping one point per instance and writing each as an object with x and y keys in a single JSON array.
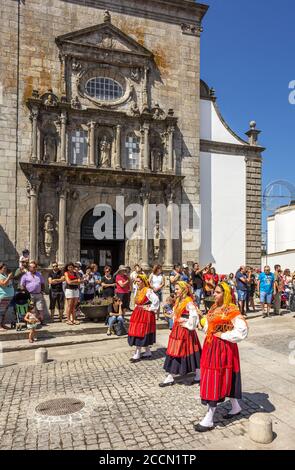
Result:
[
  {"x": 135, "y": 132},
  {"x": 104, "y": 72},
  {"x": 78, "y": 128}
]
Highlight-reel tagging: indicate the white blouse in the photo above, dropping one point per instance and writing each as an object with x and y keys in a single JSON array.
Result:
[
  {"x": 239, "y": 332},
  {"x": 154, "y": 299},
  {"x": 193, "y": 320}
]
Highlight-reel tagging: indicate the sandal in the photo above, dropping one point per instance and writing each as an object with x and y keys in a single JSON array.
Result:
[
  {"x": 76, "y": 322},
  {"x": 69, "y": 322}
]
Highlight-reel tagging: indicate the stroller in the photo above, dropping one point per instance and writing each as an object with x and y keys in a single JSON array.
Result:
[
  {"x": 21, "y": 305},
  {"x": 21, "y": 311}
]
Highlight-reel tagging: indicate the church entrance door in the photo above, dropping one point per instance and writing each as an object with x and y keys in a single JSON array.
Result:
[{"x": 108, "y": 251}]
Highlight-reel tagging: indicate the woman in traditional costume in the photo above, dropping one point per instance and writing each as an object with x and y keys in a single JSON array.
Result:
[
  {"x": 142, "y": 328},
  {"x": 220, "y": 362},
  {"x": 184, "y": 349}
]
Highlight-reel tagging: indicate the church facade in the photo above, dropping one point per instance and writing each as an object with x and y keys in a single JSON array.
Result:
[{"x": 102, "y": 101}]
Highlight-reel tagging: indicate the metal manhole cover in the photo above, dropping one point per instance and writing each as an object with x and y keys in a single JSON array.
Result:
[{"x": 60, "y": 407}]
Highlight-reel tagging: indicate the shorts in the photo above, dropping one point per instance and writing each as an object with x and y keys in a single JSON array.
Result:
[
  {"x": 56, "y": 298},
  {"x": 32, "y": 326},
  {"x": 38, "y": 301},
  {"x": 265, "y": 298},
  {"x": 242, "y": 295},
  {"x": 72, "y": 294}
]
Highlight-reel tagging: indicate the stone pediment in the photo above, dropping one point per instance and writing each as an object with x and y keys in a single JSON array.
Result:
[{"x": 104, "y": 36}]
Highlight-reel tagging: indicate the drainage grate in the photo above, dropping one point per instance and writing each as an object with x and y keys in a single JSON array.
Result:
[{"x": 60, "y": 407}]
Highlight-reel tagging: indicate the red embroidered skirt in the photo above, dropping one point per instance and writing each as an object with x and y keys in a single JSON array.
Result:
[
  {"x": 142, "y": 328},
  {"x": 220, "y": 372},
  {"x": 184, "y": 351}
]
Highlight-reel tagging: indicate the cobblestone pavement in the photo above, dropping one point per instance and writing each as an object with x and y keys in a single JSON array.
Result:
[{"x": 124, "y": 407}]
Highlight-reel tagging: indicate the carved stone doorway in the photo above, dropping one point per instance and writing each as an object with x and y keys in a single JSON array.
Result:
[{"x": 108, "y": 251}]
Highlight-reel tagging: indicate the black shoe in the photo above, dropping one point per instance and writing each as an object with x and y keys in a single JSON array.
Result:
[
  {"x": 133, "y": 361},
  {"x": 200, "y": 428},
  {"x": 229, "y": 416},
  {"x": 168, "y": 384}
]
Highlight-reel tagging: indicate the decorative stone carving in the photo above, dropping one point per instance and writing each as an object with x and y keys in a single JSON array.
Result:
[
  {"x": 76, "y": 104},
  {"x": 76, "y": 65},
  {"x": 134, "y": 110},
  {"x": 48, "y": 234},
  {"x": 191, "y": 29},
  {"x": 158, "y": 113},
  {"x": 105, "y": 153},
  {"x": 157, "y": 241},
  {"x": 50, "y": 148},
  {"x": 107, "y": 41},
  {"x": 49, "y": 99},
  {"x": 136, "y": 74},
  {"x": 107, "y": 17},
  {"x": 35, "y": 94}
]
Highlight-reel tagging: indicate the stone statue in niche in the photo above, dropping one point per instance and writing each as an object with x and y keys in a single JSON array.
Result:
[
  {"x": 50, "y": 148},
  {"x": 157, "y": 160},
  {"x": 50, "y": 100},
  {"x": 105, "y": 153},
  {"x": 157, "y": 241},
  {"x": 48, "y": 234}
]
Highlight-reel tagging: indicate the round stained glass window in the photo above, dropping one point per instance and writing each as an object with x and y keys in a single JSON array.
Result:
[{"x": 103, "y": 88}]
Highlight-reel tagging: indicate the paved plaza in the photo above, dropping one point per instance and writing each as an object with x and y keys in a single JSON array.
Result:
[{"x": 122, "y": 406}]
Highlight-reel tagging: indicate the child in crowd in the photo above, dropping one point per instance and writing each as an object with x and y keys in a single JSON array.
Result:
[
  {"x": 32, "y": 323},
  {"x": 25, "y": 258},
  {"x": 168, "y": 310}
]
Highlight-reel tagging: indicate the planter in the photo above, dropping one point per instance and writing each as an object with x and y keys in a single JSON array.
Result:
[{"x": 95, "y": 312}]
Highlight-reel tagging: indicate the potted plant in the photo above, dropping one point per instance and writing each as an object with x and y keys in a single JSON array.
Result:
[{"x": 96, "y": 309}]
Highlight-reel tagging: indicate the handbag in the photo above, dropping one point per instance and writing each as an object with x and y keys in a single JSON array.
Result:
[{"x": 120, "y": 329}]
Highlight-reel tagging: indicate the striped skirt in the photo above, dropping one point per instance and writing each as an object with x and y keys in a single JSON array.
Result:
[
  {"x": 142, "y": 328},
  {"x": 220, "y": 372},
  {"x": 183, "y": 352}
]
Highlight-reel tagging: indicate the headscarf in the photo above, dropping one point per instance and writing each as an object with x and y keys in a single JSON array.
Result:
[
  {"x": 228, "y": 298},
  {"x": 144, "y": 278},
  {"x": 186, "y": 298},
  {"x": 220, "y": 318},
  {"x": 141, "y": 293}
]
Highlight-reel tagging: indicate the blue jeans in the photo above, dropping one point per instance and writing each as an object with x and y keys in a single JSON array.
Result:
[
  {"x": 113, "y": 320},
  {"x": 199, "y": 295}
]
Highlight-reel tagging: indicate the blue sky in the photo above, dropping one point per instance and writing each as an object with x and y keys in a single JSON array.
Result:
[{"x": 247, "y": 55}]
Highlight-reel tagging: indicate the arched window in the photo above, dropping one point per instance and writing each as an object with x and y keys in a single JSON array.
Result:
[
  {"x": 132, "y": 146},
  {"x": 78, "y": 147},
  {"x": 104, "y": 88}
]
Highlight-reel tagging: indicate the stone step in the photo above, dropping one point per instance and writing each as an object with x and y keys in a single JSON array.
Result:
[
  {"x": 54, "y": 330},
  {"x": 23, "y": 344}
]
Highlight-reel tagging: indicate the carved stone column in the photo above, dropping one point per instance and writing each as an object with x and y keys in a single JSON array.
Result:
[
  {"x": 63, "y": 138},
  {"x": 91, "y": 156},
  {"x": 145, "y": 88},
  {"x": 118, "y": 164},
  {"x": 146, "y": 152},
  {"x": 145, "y": 197},
  {"x": 62, "y": 190},
  {"x": 169, "y": 261},
  {"x": 170, "y": 148},
  {"x": 33, "y": 192},
  {"x": 34, "y": 120}
]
